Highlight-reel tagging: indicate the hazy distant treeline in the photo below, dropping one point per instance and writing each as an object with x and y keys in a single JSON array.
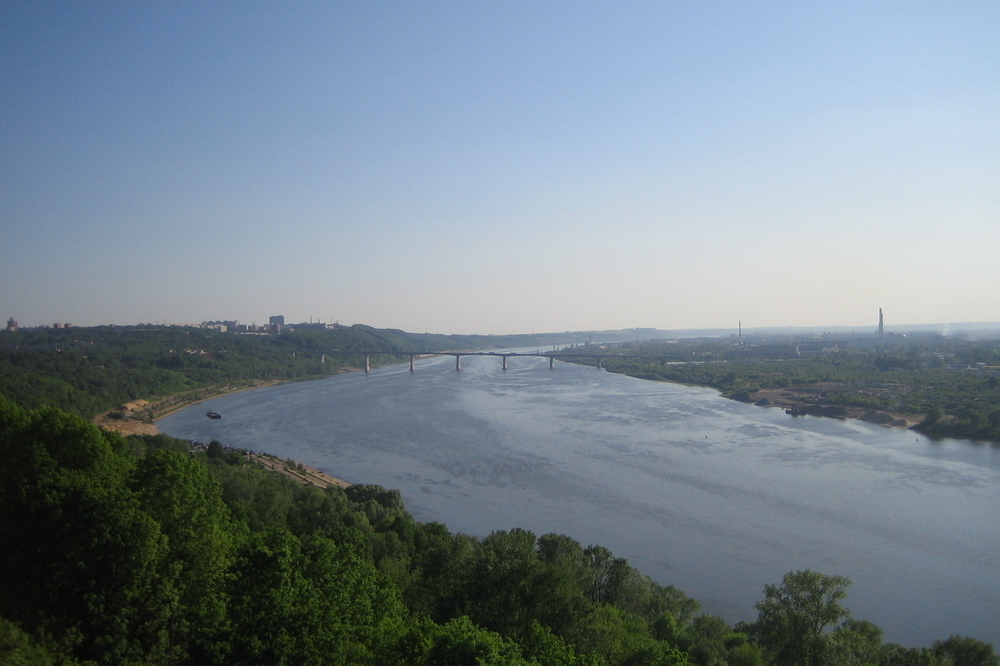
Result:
[
  {"x": 87, "y": 371},
  {"x": 952, "y": 385}
]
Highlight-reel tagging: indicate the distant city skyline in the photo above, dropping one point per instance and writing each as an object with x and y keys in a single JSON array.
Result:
[
  {"x": 738, "y": 329},
  {"x": 501, "y": 168}
]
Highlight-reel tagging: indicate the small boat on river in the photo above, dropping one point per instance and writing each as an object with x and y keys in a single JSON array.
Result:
[{"x": 213, "y": 415}]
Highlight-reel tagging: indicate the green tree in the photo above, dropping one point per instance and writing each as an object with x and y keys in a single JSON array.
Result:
[
  {"x": 965, "y": 651},
  {"x": 215, "y": 450},
  {"x": 897, "y": 655},
  {"x": 794, "y": 615},
  {"x": 462, "y": 643},
  {"x": 505, "y": 579},
  {"x": 934, "y": 415},
  {"x": 543, "y": 646},
  {"x": 617, "y": 637},
  {"x": 255, "y": 497},
  {"x": 606, "y": 575},
  {"x": 709, "y": 641},
  {"x": 18, "y": 649},
  {"x": 186, "y": 501},
  {"x": 441, "y": 565},
  {"x": 308, "y": 602},
  {"x": 977, "y": 420},
  {"x": 856, "y": 643}
]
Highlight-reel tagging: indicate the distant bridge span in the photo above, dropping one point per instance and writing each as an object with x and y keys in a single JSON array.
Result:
[{"x": 552, "y": 356}]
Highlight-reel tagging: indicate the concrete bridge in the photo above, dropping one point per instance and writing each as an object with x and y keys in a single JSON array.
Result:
[{"x": 503, "y": 356}]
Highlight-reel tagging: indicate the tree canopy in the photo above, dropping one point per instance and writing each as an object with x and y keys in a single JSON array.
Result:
[{"x": 141, "y": 551}]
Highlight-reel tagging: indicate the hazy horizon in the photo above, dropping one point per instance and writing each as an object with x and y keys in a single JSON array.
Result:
[
  {"x": 946, "y": 328},
  {"x": 501, "y": 168}
]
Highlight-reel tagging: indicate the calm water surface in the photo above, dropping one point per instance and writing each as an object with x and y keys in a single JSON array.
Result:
[{"x": 713, "y": 496}]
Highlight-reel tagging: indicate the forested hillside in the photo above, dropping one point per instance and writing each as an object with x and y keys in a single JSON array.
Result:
[
  {"x": 86, "y": 371},
  {"x": 136, "y": 551}
]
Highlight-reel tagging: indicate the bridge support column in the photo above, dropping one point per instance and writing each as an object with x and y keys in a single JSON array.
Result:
[
  {"x": 368, "y": 362},
  {"x": 411, "y": 362},
  {"x": 552, "y": 362},
  {"x": 504, "y": 362},
  {"x": 458, "y": 362},
  {"x": 598, "y": 362}
]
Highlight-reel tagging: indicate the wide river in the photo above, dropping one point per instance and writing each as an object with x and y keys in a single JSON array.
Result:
[{"x": 716, "y": 497}]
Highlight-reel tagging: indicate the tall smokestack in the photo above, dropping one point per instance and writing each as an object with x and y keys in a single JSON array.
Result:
[{"x": 880, "y": 331}]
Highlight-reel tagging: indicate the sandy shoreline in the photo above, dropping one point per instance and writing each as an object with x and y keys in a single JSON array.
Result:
[
  {"x": 139, "y": 417},
  {"x": 797, "y": 401},
  {"x": 304, "y": 474}
]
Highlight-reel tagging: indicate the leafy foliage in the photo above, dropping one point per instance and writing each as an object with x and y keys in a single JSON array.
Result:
[
  {"x": 137, "y": 551},
  {"x": 794, "y": 615}
]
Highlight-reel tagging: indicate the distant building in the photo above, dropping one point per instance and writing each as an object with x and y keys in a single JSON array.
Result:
[
  {"x": 277, "y": 322},
  {"x": 11, "y": 324}
]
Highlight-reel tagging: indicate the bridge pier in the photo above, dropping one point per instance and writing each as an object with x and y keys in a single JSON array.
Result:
[
  {"x": 504, "y": 361},
  {"x": 458, "y": 361},
  {"x": 598, "y": 362},
  {"x": 552, "y": 362},
  {"x": 411, "y": 362},
  {"x": 368, "y": 363}
]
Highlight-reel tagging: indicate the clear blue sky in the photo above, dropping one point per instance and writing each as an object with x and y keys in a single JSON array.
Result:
[{"x": 495, "y": 167}]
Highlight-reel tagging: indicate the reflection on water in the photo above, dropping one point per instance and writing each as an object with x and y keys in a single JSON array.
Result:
[{"x": 713, "y": 496}]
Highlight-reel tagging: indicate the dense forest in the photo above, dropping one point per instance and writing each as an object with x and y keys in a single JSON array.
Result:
[
  {"x": 950, "y": 385},
  {"x": 142, "y": 551}
]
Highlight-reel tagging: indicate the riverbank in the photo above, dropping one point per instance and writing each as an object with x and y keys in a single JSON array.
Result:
[
  {"x": 296, "y": 471},
  {"x": 139, "y": 416},
  {"x": 807, "y": 400},
  {"x": 801, "y": 401}
]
